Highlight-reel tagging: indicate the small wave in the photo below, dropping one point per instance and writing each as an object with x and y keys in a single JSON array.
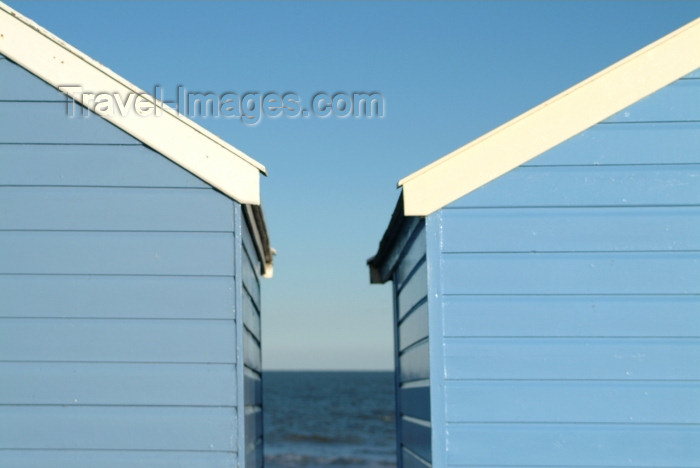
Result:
[
  {"x": 292, "y": 460},
  {"x": 311, "y": 438}
]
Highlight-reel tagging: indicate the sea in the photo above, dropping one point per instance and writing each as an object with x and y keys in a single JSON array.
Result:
[{"x": 320, "y": 419}]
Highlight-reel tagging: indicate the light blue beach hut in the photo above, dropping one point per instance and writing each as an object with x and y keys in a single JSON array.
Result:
[
  {"x": 546, "y": 280},
  {"x": 131, "y": 251}
]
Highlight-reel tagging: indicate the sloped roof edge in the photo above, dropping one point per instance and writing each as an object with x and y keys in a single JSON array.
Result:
[
  {"x": 258, "y": 230},
  {"x": 176, "y": 137},
  {"x": 552, "y": 122},
  {"x": 382, "y": 264}
]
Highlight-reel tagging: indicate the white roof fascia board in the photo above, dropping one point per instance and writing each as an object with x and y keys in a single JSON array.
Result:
[
  {"x": 171, "y": 134},
  {"x": 553, "y": 122}
]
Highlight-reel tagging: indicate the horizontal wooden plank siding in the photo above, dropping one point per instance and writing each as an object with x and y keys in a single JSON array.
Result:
[
  {"x": 251, "y": 269},
  {"x": 251, "y": 316},
  {"x": 114, "y": 209},
  {"x": 650, "y": 143},
  {"x": 252, "y": 258},
  {"x": 573, "y": 445},
  {"x": 573, "y": 358},
  {"x": 566, "y": 230},
  {"x": 119, "y": 459},
  {"x": 415, "y": 362},
  {"x": 116, "y": 296},
  {"x": 118, "y": 428},
  {"x": 572, "y": 316},
  {"x": 415, "y": 326},
  {"x": 115, "y": 340},
  {"x": 116, "y": 253},
  {"x": 117, "y": 284},
  {"x": 575, "y": 401},
  {"x": 414, "y": 253},
  {"x": 416, "y": 437},
  {"x": 570, "y": 297},
  {"x": 253, "y": 387},
  {"x": 18, "y": 85},
  {"x": 589, "y": 186},
  {"x": 251, "y": 283},
  {"x": 573, "y": 273},
  {"x": 415, "y": 398},
  {"x": 94, "y": 165},
  {"x": 253, "y": 426},
  {"x": 413, "y": 290},
  {"x": 21, "y": 119},
  {"x": 411, "y": 460},
  {"x": 412, "y": 352},
  {"x": 252, "y": 350},
  {"x": 117, "y": 383}
]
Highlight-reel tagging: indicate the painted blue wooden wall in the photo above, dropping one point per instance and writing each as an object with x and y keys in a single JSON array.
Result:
[
  {"x": 567, "y": 301},
  {"x": 412, "y": 354},
  {"x": 252, "y": 369},
  {"x": 119, "y": 332}
]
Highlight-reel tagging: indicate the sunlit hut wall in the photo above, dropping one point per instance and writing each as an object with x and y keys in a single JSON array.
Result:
[
  {"x": 131, "y": 251},
  {"x": 546, "y": 280}
]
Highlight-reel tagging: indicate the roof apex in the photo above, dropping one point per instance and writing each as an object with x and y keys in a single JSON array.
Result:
[{"x": 552, "y": 122}]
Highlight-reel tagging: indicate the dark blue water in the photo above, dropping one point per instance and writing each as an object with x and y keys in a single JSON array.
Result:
[{"x": 318, "y": 419}]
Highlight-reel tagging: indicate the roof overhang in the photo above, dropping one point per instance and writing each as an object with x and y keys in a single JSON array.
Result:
[
  {"x": 553, "y": 122},
  {"x": 171, "y": 134},
  {"x": 393, "y": 243},
  {"x": 258, "y": 230},
  {"x": 176, "y": 137},
  {"x": 532, "y": 133}
]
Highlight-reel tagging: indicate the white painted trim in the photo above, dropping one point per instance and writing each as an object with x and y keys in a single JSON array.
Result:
[
  {"x": 553, "y": 122},
  {"x": 176, "y": 137}
]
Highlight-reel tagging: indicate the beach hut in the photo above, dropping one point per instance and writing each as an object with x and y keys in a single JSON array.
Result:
[
  {"x": 546, "y": 279},
  {"x": 131, "y": 251}
]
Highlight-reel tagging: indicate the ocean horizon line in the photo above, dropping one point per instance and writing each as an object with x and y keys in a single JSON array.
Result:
[{"x": 328, "y": 370}]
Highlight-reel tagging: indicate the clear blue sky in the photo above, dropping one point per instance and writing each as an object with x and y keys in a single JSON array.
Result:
[{"x": 449, "y": 72}]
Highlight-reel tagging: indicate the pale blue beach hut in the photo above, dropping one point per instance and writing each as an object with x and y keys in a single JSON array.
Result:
[
  {"x": 546, "y": 280},
  {"x": 131, "y": 250}
]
